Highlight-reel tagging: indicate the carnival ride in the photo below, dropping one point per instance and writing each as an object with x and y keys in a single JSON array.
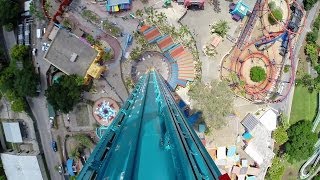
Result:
[
  {"x": 105, "y": 110},
  {"x": 259, "y": 43},
  {"x": 150, "y": 138}
]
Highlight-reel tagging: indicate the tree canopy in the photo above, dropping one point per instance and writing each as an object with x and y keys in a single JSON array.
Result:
[
  {"x": 65, "y": 94},
  {"x": 308, "y": 4},
  {"x": 301, "y": 141},
  {"x": 9, "y": 12},
  {"x": 276, "y": 170},
  {"x": 311, "y": 49},
  {"x": 257, "y": 74},
  {"x": 280, "y": 135},
  {"x": 19, "y": 79},
  {"x": 221, "y": 28},
  {"x": 215, "y": 100}
]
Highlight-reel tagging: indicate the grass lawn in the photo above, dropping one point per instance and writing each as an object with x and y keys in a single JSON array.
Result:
[{"x": 304, "y": 105}]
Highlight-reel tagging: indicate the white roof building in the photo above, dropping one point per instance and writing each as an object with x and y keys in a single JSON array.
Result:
[
  {"x": 269, "y": 120},
  {"x": 222, "y": 153},
  {"x": 12, "y": 132},
  {"x": 23, "y": 166}
]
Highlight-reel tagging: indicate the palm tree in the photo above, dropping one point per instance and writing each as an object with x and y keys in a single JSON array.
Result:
[{"x": 221, "y": 28}]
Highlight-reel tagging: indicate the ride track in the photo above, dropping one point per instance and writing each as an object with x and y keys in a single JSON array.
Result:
[{"x": 259, "y": 91}]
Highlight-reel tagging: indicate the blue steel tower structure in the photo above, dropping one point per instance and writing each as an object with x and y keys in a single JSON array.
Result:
[{"x": 150, "y": 139}]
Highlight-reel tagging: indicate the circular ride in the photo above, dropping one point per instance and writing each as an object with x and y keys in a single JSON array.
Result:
[
  {"x": 105, "y": 110},
  {"x": 269, "y": 49}
]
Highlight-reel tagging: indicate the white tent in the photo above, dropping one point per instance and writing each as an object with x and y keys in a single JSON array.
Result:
[{"x": 269, "y": 120}]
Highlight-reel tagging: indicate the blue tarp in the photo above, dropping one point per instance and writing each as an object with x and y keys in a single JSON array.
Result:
[
  {"x": 194, "y": 117},
  {"x": 182, "y": 104},
  {"x": 231, "y": 151},
  {"x": 69, "y": 167}
]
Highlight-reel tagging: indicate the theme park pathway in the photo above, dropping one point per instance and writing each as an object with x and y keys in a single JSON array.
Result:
[{"x": 113, "y": 75}]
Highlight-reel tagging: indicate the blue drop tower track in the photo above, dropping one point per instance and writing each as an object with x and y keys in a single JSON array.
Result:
[{"x": 150, "y": 139}]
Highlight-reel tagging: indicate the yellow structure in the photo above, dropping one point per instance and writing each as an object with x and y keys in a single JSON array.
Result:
[{"x": 95, "y": 69}]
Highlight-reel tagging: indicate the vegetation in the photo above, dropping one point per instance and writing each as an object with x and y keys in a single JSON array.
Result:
[
  {"x": 9, "y": 12},
  {"x": 37, "y": 12},
  {"x": 111, "y": 28},
  {"x": 301, "y": 141},
  {"x": 311, "y": 49},
  {"x": 276, "y": 170},
  {"x": 280, "y": 135},
  {"x": 129, "y": 83},
  {"x": 90, "y": 39},
  {"x": 107, "y": 56},
  {"x": 19, "y": 79},
  {"x": 286, "y": 68},
  {"x": 91, "y": 16},
  {"x": 215, "y": 100},
  {"x": 257, "y": 74},
  {"x": 136, "y": 53},
  {"x": 65, "y": 94},
  {"x": 8, "y": 27},
  {"x": 221, "y": 28},
  {"x": 308, "y": 4},
  {"x": 272, "y": 5},
  {"x": 67, "y": 23},
  {"x": 83, "y": 140},
  {"x": 304, "y": 105},
  {"x": 275, "y": 16}
]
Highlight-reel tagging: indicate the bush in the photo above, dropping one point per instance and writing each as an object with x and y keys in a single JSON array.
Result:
[
  {"x": 276, "y": 170},
  {"x": 257, "y": 74},
  {"x": 274, "y": 16}
]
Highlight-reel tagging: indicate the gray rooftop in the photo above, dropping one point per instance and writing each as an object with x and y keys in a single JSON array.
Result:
[
  {"x": 249, "y": 122},
  {"x": 61, "y": 50}
]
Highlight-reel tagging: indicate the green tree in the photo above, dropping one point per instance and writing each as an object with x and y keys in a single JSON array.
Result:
[
  {"x": 135, "y": 53},
  {"x": 280, "y": 135},
  {"x": 301, "y": 141},
  {"x": 9, "y": 12},
  {"x": 221, "y": 28},
  {"x": 308, "y": 4},
  {"x": 64, "y": 94},
  {"x": 19, "y": 52},
  {"x": 272, "y": 5},
  {"x": 18, "y": 105},
  {"x": 26, "y": 82},
  {"x": 312, "y": 36},
  {"x": 276, "y": 170},
  {"x": 215, "y": 100},
  {"x": 311, "y": 49},
  {"x": 107, "y": 56},
  {"x": 257, "y": 74},
  {"x": 8, "y": 27},
  {"x": 90, "y": 39},
  {"x": 84, "y": 140}
]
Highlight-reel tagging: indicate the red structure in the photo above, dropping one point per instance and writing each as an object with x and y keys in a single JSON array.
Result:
[{"x": 189, "y": 3}]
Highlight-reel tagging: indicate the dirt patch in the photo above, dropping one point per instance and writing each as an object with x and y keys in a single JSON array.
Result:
[{"x": 82, "y": 115}]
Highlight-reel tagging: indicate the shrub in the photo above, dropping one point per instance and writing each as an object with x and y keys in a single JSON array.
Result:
[{"x": 257, "y": 74}]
